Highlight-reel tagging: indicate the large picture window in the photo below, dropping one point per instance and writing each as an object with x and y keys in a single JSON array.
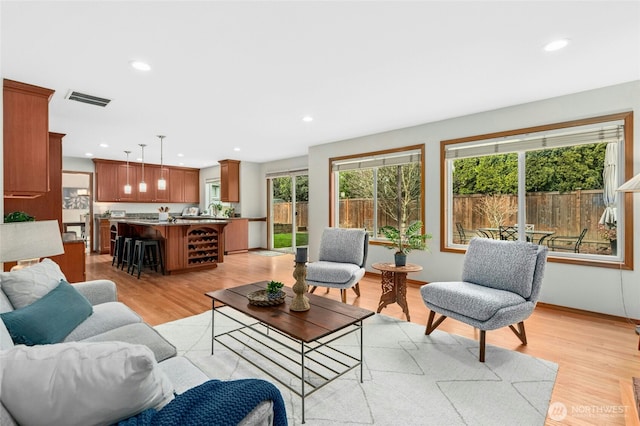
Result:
[
  {"x": 375, "y": 189},
  {"x": 553, "y": 185}
]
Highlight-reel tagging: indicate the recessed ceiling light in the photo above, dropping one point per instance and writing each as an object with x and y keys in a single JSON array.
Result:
[
  {"x": 180, "y": 164},
  {"x": 140, "y": 65},
  {"x": 88, "y": 154},
  {"x": 307, "y": 119},
  {"x": 236, "y": 149},
  {"x": 180, "y": 155},
  {"x": 556, "y": 45},
  {"x": 104, "y": 145}
]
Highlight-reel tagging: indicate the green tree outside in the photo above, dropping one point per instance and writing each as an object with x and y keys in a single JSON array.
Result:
[{"x": 559, "y": 169}]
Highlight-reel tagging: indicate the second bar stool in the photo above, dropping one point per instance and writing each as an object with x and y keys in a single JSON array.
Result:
[{"x": 149, "y": 250}]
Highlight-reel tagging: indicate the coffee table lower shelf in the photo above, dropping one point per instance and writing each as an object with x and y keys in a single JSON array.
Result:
[{"x": 315, "y": 364}]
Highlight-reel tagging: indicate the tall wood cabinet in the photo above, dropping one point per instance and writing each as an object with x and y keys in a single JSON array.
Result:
[
  {"x": 26, "y": 139},
  {"x": 230, "y": 181},
  {"x": 33, "y": 166}
]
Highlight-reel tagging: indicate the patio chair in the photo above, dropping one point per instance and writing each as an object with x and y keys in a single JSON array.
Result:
[
  {"x": 484, "y": 234},
  {"x": 567, "y": 243},
  {"x": 462, "y": 233},
  {"x": 500, "y": 286},
  {"x": 509, "y": 233},
  {"x": 343, "y": 254}
]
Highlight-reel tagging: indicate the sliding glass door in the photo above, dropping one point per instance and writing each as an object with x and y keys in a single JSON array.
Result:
[{"x": 288, "y": 211}]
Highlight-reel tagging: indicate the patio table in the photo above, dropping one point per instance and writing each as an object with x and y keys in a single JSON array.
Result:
[{"x": 531, "y": 235}]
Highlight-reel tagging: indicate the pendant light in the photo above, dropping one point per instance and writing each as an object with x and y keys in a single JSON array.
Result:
[
  {"x": 143, "y": 186},
  {"x": 127, "y": 187},
  {"x": 162, "y": 183}
]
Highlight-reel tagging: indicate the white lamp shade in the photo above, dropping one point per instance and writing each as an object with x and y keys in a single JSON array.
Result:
[
  {"x": 632, "y": 185},
  {"x": 127, "y": 189},
  {"x": 29, "y": 240},
  {"x": 142, "y": 187},
  {"x": 162, "y": 184}
]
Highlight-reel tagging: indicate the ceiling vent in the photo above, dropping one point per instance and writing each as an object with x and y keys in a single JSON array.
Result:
[{"x": 87, "y": 99}]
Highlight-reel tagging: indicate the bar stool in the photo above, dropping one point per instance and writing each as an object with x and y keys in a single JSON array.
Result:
[
  {"x": 146, "y": 250},
  {"x": 117, "y": 251},
  {"x": 127, "y": 253}
]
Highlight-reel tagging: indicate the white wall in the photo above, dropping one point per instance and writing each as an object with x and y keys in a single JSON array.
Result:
[
  {"x": 252, "y": 198},
  {"x": 583, "y": 287}
]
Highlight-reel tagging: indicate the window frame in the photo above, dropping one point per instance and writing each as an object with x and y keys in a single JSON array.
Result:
[
  {"x": 626, "y": 262},
  {"x": 333, "y": 191}
]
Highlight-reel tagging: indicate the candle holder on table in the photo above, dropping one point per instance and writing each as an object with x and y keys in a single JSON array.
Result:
[{"x": 300, "y": 302}]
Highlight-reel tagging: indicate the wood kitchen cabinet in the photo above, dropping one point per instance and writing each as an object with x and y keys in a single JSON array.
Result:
[
  {"x": 26, "y": 138},
  {"x": 176, "y": 187},
  {"x": 106, "y": 182},
  {"x": 191, "y": 186},
  {"x": 183, "y": 184},
  {"x": 236, "y": 236},
  {"x": 230, "y": 181},
  {"x": 49, "y": 205},
  {"x": 104, "y": 236},
  {"x": 111, "y": 177}
]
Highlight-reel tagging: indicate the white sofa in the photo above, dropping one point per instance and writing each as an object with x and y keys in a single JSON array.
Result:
[{"x": 109, "y": 321}]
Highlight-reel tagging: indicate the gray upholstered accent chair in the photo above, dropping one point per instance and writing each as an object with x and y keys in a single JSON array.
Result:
[
  {"x": 343, "y": 254},
  {"x": 500, "y": 286}
]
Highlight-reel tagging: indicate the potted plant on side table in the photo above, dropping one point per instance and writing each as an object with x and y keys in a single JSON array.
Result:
[{"x": 404, "y": 242}]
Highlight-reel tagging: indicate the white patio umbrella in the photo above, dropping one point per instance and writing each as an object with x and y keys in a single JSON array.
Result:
[{"x": 610, "y": 183}]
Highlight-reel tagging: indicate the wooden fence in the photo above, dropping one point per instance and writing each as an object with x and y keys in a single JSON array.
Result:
[
  {"x": 564, "y": 213},
  {"x": 354, "y": 213}
]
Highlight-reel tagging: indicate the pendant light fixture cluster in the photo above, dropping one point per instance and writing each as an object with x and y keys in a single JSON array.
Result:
[{"x": 142, "y": 185}]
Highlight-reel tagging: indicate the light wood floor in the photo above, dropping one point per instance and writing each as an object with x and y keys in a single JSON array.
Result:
[{"x": 597, "y": 355}]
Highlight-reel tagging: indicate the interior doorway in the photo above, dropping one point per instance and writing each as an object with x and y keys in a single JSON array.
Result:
[
  {"x": 77, "y": 206},
  {"x": 288, "y": 214}
]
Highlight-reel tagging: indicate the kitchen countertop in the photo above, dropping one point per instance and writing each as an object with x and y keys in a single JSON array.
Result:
[{"x": 178, "y": 222}]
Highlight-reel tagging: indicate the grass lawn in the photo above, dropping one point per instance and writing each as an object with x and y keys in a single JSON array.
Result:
[{"x": 284, "y": 240}]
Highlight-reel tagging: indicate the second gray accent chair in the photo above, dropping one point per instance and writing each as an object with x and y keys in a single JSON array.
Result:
[
  {"x": 500, "y": 286},
  {"x": 341, "y": 261}
]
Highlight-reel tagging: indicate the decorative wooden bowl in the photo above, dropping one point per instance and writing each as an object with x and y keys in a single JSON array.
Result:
[{"x": 262, "y": 298}]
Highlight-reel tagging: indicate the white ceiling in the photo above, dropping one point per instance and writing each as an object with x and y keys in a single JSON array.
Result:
[{"x": 243, "y": 74}]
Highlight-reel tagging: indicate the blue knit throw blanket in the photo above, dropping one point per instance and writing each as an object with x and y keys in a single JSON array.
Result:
[{"x": 214, "y": 402}]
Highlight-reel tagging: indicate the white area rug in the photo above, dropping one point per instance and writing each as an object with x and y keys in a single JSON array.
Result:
[
  {"x": 409, "y": 378},
  {"x": 268, "y": 253}
]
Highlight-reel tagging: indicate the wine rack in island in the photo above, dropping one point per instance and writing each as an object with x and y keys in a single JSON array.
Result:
[{"x": 203, "y": 245}]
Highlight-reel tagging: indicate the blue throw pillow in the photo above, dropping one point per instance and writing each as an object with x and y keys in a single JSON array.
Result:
[{"x": 49, "y": 319}]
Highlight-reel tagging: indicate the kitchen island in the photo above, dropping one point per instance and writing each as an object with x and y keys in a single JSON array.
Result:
[{"x": 186, "y": 245}]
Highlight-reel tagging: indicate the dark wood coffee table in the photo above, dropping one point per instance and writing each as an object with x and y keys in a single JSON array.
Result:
[{"x": 297, "y": 344}]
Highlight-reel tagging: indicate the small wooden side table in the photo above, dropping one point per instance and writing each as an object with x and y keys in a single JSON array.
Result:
[{"x": 394, "y": 284}]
